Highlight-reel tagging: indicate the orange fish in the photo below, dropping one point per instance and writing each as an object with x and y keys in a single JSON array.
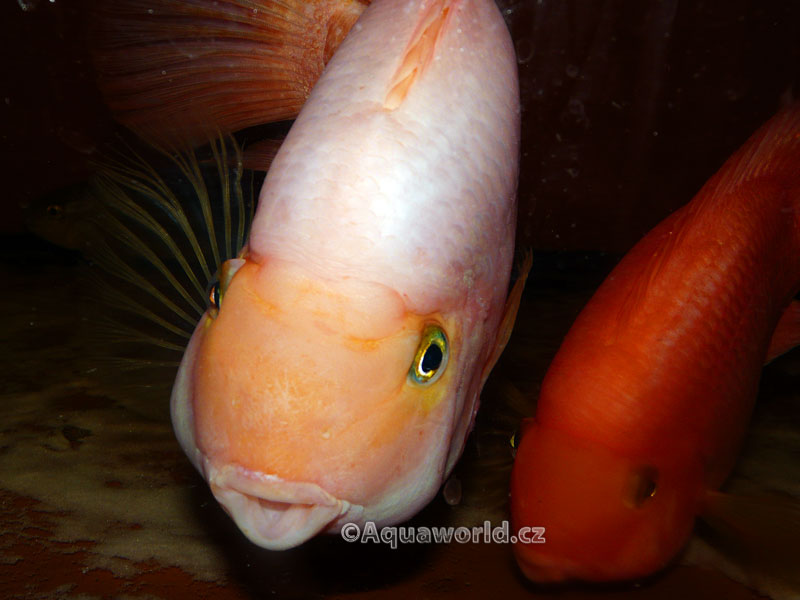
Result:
[
  {"x": 178, "y": 73},
  {"x": 643, "y": 410}
]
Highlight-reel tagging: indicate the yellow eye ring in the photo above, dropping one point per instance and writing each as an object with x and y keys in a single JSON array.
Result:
[
  {"x": 430, "y": 360},
  {"x": 219, "y": 286},
  {"x": 514, "y": 441},
  {"x": 214, "y": 295}
]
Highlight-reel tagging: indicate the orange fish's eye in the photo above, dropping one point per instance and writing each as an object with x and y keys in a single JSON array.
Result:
[
  {"x": 513, "y": 441},
  {"x": 641, "y": 486},
  {"x": 430, "y": 359}
]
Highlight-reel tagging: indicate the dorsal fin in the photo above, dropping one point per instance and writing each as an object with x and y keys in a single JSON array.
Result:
[
  {"x": 772, "y": 151},
  {"x": 419, "y": 52}
]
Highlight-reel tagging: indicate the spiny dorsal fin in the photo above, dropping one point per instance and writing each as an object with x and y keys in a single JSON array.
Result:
[
  {"x": 773, "y": 151},
  {"x": 419, "y": 52}
]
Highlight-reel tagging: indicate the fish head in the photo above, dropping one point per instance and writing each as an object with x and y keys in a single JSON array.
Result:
[
  {"x": 309, "y": 403},
  {"x": 607, "y": 516}
]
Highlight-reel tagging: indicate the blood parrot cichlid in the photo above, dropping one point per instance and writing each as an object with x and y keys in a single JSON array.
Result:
[
  {"x": 336, "y": 375},
  {"x": 643, "y": 410}
]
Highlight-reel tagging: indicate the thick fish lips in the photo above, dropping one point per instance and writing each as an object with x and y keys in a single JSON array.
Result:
[{"x": 275, "y": 513}]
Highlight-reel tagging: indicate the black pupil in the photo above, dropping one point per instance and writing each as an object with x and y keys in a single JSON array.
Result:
[
  {"x": 648, "y": 489},
  {"x": 215, "y": 294},
  {"x": 432, "y": 359}
]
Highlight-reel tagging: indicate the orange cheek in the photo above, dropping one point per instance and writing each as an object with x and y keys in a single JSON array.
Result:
[
  {"x": 581, "y": 493},
  {"x": 281, "y": 393},
  {"x": 575, "y": 491}
]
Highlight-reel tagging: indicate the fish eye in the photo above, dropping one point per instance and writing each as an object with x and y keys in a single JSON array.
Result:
[
  {"x": 218, "y": 286},
  {"x": 430, "y": 359},
  {"x": 214, "y": 298},
  {"x": 214, "y": 295},
  {"x": 55, "y": 211},
  {"x": 513, "y": 441},
  {"x": 642, "y": 486}
]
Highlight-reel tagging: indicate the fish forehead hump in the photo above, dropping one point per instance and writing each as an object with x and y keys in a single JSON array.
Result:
[{"x": 419, "y": 197}]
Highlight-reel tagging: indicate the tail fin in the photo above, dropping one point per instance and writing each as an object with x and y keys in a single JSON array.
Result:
[{"x": 177, "y": 72}]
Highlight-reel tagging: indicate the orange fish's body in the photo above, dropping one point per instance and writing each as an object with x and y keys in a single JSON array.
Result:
[{"x": 643, "y": 410}]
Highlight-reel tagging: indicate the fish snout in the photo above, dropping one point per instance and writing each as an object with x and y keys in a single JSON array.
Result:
[{"x": 275, "y": 513}]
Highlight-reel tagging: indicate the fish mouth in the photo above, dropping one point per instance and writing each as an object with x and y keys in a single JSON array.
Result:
[{"x": 275, "y": 513}]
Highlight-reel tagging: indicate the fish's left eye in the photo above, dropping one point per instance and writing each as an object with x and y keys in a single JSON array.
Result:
[
  {"x": 214, "y": 295},
  {"x": 431, "y": 357},
  {"x": 218, "y": 286}
]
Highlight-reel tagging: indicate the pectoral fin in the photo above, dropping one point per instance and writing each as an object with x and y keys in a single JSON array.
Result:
[
  {"x": 787, "y": 333},
  {"x": 509, "y": 316}
]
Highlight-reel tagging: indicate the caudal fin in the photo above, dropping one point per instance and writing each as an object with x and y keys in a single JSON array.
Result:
[{"x": 180, "y": 72}]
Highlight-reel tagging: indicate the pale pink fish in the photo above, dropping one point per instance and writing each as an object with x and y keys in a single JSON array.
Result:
[{"x": 339, "y": 375}]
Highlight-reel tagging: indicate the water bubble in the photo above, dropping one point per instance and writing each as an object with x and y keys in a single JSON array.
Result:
[
  {"x": 524, "y": 48},
  {"x": 452, "y": 491},
  {"x": 28, "y": 5}
]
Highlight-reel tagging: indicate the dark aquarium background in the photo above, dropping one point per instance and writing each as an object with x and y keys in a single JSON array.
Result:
[{"x": 629, "y": 106}]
